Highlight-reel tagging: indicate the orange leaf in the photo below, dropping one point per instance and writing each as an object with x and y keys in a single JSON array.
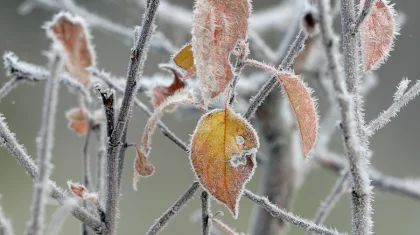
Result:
[
  {"x": 185, "y": 60},
  {"x": 179, "y": 98},
  {"x": 217, "y": 26},
  {"x": 142, "y": 165},
  {"x": 222, "y": 155},
  {"x": 73, "y": 35},
  {"x": 377, "y": 34},
  {"x": 160, "y": 93},
  {"x": 78, "y": 120},
  {"x": 303, "y": 106}
]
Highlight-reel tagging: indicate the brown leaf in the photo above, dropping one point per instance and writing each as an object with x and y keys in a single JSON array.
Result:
[
  {"x": 222, "y": 155},
  {"x": 73, "y": 35},
  {"x": 377, "y": 34},
  {"x": 217, "y": 26},
  {"x": 142, "y": 165},
  {"x": 160, "y": 93}
]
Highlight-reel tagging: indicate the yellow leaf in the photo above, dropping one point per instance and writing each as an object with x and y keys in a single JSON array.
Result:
[
  {"x": 222, "y": 154},
  {"x": 185, "y": 60}
]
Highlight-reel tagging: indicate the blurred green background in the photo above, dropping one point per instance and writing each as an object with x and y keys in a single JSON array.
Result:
[{"x": 395, "y": 147}]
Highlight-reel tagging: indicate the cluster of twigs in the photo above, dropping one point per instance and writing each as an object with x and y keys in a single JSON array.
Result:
[{"x": 340, "y": 80}]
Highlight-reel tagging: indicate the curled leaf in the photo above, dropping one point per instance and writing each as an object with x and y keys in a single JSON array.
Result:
[
  {"x": 222, "y": 155},
  {"x": 141, "y": 166},
  {"x": 185, "y": 60},
  {"x": 377, "y": 34},
  {"x": 303, "y": 106},
  {"x": 82, "y": 192},
  {"x": 217, "y": 26},
  {"x": 160, "y": 93},
  {"x": 73, "y": 35}
]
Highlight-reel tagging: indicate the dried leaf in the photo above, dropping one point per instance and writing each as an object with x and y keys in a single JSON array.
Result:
[
  {"x": 73, "y": 35},
  {"x": 217, "y": 26},
  {"x": 78, "y": 120},
  {"x": 185, "y": 60},
  {"x": 377, "y": 34},
  {"x": 82, "y": 192},
  {"x": 303, "y": 106},
  {"x": 160, "y": 93},
  {"x": 141, "y": 162},
  {"x": 222, "y": 155}
]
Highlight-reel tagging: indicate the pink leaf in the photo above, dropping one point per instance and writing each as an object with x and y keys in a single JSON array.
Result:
[
  {"x": 161, "y": 93},
  {"x": 377, "y": 33},
  {"x": 303, "y": 106},
  {"x": 217, "y": 26}
]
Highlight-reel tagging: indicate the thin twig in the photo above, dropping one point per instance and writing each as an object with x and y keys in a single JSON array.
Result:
[
  {"x": 5, "y": 225},
  {"x": 287, "y": 216},
  {"x": 9, "y": 86},
  {"x": 205, "y": 216},
  {"x": 59, "y": 217},
  {"x": 135, "y": 70},
  {"x": 101, "y": 161},
  {"x": 160, "y": 43},
  {"x": 177, "y": 206},
  {"x": 361, "y": 190},
  {"x": 8, "y": 140},
  {"x": 257, "y": 100},
  {"x": 45, "y": 145},
  {"x": 165, "y": 130},
  {"x": 385, "y": 117},
  {"x": 23, "y": 71},
  {"x": 364, "y": 13},
  {"x": 331, "y": 200},
  {"x": 86, "y": 169}
]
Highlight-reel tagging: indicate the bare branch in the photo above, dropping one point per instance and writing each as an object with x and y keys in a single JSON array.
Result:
[
  {"x": 364, "y": 13},
  {"x": 9, "y": 86},
  {"x": 177, "y": 206},
  {"x": 287, "y": 216},
  {"x": 102, "y": 141},
  {"x": 5, "y": 225},
  {"x": 22, "y": 71},
  {"x": 96, "y": 21},
  {"x": 8, "y": 140},
  {"x": 135, "y": 70},
  {"x": 359, "y": 164},
  {"x": 45, "y": 145},
  {"x": 205, "y": 210},
  {"x": 59, "y": 217},
  {"x": 385, "y": 117},
  {"x": 332, "y": 198}
]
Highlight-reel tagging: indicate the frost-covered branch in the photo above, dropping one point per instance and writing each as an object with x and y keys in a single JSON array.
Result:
[
  {"x": 177, "y": 206},
  {"x": 287, "y": 216},
  {"x": 135, "y": 70},
  {"x": 401, "y": 99},
  {"x": 59, "y": 217},
  {"x": 359, "y": 164},
  {"x": 8, "y": 140},
  {"x": 45, "y": 145},
  {"x": 367, "y": 8},
  {"x": 22, "y": 71},
  {"x": 205, "y": 213},
  {"x": 5, "y": 225},
  {"x": 96, "y": 21},
  {"x": 332, "y": 198}
]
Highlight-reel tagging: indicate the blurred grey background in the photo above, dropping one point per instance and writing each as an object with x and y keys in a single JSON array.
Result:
[{"x": 396, "y": 147}]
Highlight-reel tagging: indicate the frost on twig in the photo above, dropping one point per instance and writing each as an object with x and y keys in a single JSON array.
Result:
[
  {"x": 206, "y": 225},
  {"x": 45, "y": 145},
  {"x": 287, "y": 216},
  {"x": 23, "y": 71},
  {"x": 8, "y": 140},
  {"x": 5, "y": 224},
  {"x": 401, "y": 99},
  {"x": 59, "y": 217},
  {"x": 163, "y": 220}
]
